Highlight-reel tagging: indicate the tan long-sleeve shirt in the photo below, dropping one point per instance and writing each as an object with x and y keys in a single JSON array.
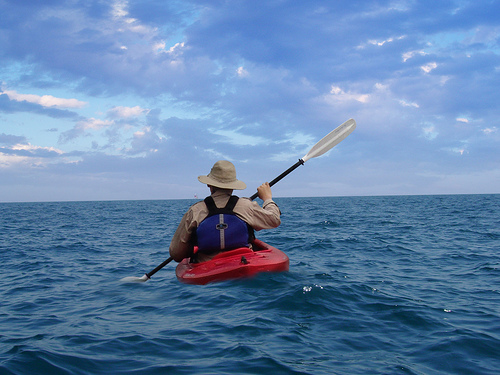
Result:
[{"x": 265, "y": 217}]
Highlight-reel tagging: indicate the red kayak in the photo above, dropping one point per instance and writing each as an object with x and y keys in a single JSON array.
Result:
[{"x": 234, "y": 264}]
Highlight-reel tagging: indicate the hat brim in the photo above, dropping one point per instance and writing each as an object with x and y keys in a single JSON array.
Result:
[{"x": 234, "y": 185}]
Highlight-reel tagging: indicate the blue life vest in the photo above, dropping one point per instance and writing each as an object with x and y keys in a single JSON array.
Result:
[{"x": 222, "y": 229}]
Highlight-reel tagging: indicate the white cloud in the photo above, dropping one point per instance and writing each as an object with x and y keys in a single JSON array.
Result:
[
  {"x": 461, "y": 119},
  {"x": 30, "y": 147},
  {"x": 429, "y": 67},
  {"x": 494, "y": 129},
  {"x": 7, "y": 160},
  {"x": 159, "y": 46},
  {"x": 380, "y": 43},
  {"x": 381, "y": 87},
  {"x": 146, "y": 131},
  {"x": 411, "y": 54},
  {"x": 176, "y": 50},
  {"x": 298, "y": 139},
  {"x": 430, "y": 132},
  {"x": 214, "y": 154},
  {"x": 119, "y": 9},
  {"x": 404, "y": 103},
  {"x": 242, "y": 72},
  {"x": 94, "y": 124},
  {"x": 81, "y": 128},
  {"x": 44, "y": 100},
  {"x": 337, "y": 94},
  {"x": 32, "y": 155},
  {"x": 239, "y": 139},
  {"x": 127, "y": 112},
  {"x": 145, "y": 141},
  {"x": 458, "y": 150},
  {"x": 120, "y": 12},
  {"x": 443, "y": 80}
]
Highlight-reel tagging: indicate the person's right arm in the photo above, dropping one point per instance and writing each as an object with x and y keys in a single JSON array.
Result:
[
  {"x": 264, "y": 191},
  {"x": 265, "y": 217}
]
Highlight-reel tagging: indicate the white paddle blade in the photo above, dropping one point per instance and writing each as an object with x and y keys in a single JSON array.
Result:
[
  {"x": 133, "y": 279},
  {"x": 332, "y": 139}
]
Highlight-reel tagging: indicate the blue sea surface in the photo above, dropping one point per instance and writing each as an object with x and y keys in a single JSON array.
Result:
[{"x": 377, "y": 285}]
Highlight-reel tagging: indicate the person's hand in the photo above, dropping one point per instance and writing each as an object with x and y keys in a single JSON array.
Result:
[{"x": 264, "y": 191}]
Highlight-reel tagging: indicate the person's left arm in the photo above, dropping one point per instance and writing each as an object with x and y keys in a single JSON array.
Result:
[{"x": 181, "y": 245}]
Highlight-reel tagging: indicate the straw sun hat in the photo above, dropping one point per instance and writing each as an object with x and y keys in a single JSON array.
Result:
[{"x": 223, "y": 175}]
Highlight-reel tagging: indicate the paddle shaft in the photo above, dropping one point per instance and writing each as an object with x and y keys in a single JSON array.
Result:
[
  {"x": 284, "y": 174},
  {"x": 149, "y": 274}
]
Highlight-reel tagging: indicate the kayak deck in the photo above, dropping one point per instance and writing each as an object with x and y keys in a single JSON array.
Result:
[{"x": 234, "y": 264}]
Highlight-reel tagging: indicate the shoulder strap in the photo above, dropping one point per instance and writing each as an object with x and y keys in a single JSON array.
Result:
[
  {"x": 213, "y": 209},
  {"x": 231, "y": 203}
]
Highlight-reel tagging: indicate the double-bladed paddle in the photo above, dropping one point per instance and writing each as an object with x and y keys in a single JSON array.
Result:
[{"x": 326, "y": 143}]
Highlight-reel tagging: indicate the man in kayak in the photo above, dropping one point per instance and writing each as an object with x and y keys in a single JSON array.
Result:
[{"x": 194, "y": 231}]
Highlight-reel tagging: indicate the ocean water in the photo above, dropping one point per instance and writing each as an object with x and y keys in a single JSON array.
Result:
[{"x": 377, "y": 285}]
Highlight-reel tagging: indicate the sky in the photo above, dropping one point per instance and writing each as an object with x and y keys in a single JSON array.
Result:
[{"x": 134, "y": 99}]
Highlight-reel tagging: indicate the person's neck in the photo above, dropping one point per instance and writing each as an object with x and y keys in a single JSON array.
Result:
[{"x": 219, "y": 191}]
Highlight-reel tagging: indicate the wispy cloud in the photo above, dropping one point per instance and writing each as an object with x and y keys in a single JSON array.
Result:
[
  {"x": 490, "y": 130},
  {"x": 82, "y": 127},
  {"x": 427, "y": 68},
  {"x": 26, "y": 154},
  {"x": 44, "y": 100},
  {"x": 337, "y": 94},
  {"x": 411, "y": 54},
  {"x": 380, "y": 43},
  {"x": 126, "y": 112},
  {"x": 237, "y": 138}
]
